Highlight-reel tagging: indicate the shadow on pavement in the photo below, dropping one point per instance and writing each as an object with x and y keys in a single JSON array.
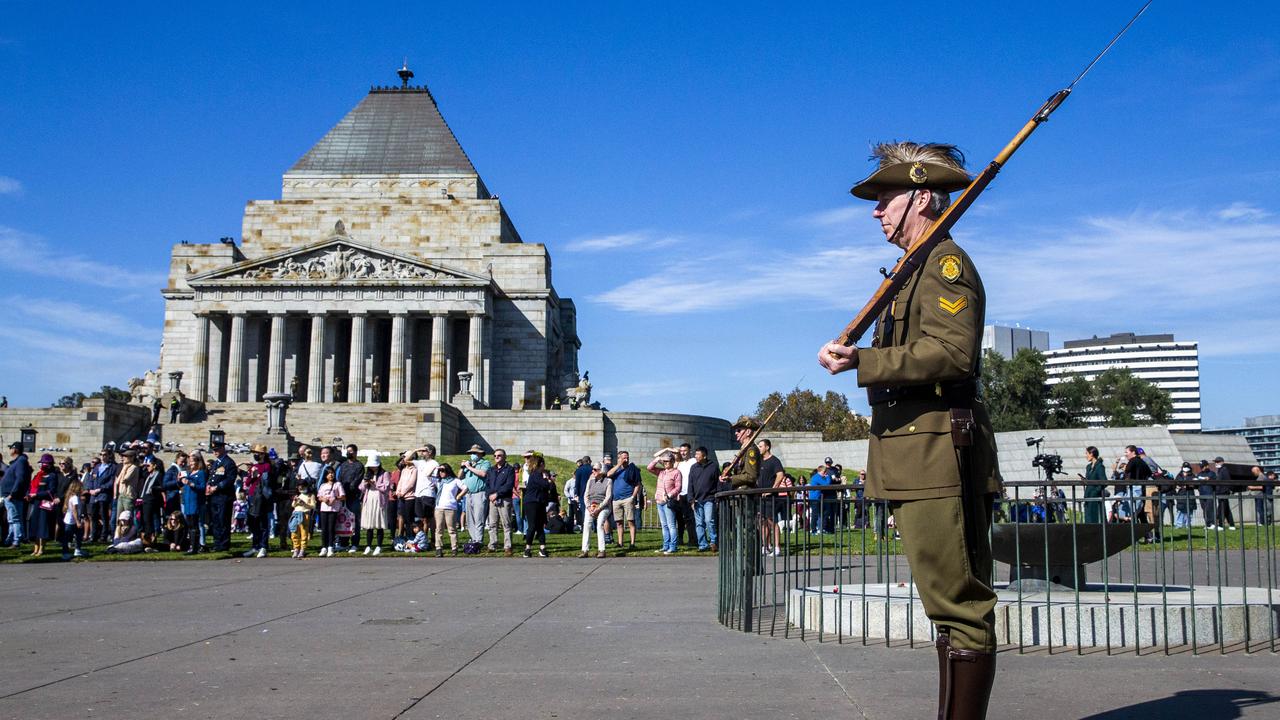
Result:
[{"x": 1217, "y": 704}]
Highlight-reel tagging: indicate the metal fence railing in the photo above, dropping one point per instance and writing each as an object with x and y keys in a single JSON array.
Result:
[{"x": 1132, "y": 571}]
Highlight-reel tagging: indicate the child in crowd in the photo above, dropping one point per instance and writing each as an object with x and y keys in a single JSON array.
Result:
[
  {"x": 418, "y": 543},
  {"x": 71, "y": 519},
  {"x": 304, "y": 505},
  {"x": 330, "y": 494},
  {"x": 176, "y": 536},
  {"x": 240, "y": 510},
  {"x": 126, "y": 540}
]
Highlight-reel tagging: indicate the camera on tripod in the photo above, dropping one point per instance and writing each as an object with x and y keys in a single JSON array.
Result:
[{"x": 1050, "y": 463}]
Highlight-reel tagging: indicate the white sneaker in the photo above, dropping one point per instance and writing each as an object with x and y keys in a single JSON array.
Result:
[
  {"x": 326, "y": 552},
  {"x": 351, "y": 550},
  {"x": 249, "y": 553},
  {"x": 377, "y": 551},
  {"x": 262, "y": 552},
  {"x": 368, "y": 550}
]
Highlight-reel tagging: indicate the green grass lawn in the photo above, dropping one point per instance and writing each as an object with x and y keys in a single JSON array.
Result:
[{"x": 558, "y": 545}]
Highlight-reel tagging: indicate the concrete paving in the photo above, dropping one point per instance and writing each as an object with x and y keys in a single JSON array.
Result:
[{"x": 464, "y": 638}]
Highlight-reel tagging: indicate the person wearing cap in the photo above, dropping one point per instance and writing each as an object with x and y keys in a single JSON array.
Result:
[
  {"x": 128, "y": 482},
  {"x": 221, "y": 491},
  {"x": 13, "y": 487},
  {"x": 257, "y": 493},
  {"x": 474, "y": 469},
  {"x": 39, "y": 501},
  {"x": 374, "y": 491},
  {"x": 1223, "y": 488},
  {"x": 921, "y": 371}
]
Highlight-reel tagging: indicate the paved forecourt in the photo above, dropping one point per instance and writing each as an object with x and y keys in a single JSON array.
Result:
[{"x": 480, "y": 638}]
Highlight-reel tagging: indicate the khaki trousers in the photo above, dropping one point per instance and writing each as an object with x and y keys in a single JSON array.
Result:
[
  {"x": 446, "y": 519},
  {"x": 500, "y": 514},
  {"x": 955, "y": 590}
]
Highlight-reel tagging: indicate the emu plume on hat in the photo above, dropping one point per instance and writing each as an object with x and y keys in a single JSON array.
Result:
[{"x": 911, "y": 165}]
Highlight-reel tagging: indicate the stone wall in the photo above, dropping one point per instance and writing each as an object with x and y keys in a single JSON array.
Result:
[
  {"x": 76, "y": 431},
  {"x": 645, "y": 433},
  {"x": 1169, "y": 449}
]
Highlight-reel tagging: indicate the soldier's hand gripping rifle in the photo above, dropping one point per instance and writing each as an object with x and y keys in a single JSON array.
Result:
[{"x": 920, "y": 249}]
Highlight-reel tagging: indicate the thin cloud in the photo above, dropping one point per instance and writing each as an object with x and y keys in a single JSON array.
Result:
[
  {"x": 1241, "y": 211},
  {"x": 9, "y": 186},
  {"x": 81, "y": 320},
  {"x": 27, "y": 253},
  {"x": 620, "y": 240}
]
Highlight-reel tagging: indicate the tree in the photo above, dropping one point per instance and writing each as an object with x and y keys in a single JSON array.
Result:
[
  {"x": 1069, "y": 404},
  {"x": 1124, "y": 400},
  {"x": 806, "y": 411},
  {"x": 1014, "y": 390},
  {"x": 76, "y": 399},
  {"x": 110, "y": 392}
]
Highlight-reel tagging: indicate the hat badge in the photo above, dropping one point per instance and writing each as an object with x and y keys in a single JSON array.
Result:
[{"x": 917, "y": 173}]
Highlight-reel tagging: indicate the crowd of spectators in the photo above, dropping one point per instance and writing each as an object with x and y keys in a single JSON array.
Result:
[{"x": 128, "y": 500}]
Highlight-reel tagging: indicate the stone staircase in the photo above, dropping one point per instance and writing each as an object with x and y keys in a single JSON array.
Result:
[{"x": 387, "y": 428}]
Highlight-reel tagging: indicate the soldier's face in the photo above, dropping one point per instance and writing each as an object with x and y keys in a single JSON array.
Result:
[{"x": 890, "y": 206}]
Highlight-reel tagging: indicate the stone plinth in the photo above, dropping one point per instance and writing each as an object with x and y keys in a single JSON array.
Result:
[{"x": 1178, "y": 616}]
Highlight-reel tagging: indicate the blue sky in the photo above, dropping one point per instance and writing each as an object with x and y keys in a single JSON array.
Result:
[{"x": 688, "y": 167}]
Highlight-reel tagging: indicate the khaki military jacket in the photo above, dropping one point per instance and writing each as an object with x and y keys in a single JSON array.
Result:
[
  {"x": 747, "y": 471},
  {"x": 936, "y": 337}
]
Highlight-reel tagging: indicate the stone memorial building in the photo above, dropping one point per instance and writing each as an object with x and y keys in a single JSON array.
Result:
[{"x": 385, "y": 273}]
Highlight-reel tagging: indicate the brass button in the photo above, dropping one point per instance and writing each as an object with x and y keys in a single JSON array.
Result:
[{"x": 911, "y": 429}]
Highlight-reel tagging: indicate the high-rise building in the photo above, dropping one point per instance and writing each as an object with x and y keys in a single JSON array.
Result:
[
  {"x": 1263, "y": 435},
  {"x": 1009, "y": 340},
  {"x": 1159, "y": 359}
]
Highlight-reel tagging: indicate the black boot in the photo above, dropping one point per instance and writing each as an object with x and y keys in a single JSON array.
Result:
[
  {"x": 943, "y": 646},
  {"x": 967, "y": 676}
]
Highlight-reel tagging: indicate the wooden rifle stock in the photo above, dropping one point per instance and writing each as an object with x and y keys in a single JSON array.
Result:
[{"x": 919, "y": 251}]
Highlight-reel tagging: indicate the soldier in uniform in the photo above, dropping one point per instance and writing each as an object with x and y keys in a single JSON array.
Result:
[
  {"x": 744, "y": 473},
  {"x": 931, "y": 453}
]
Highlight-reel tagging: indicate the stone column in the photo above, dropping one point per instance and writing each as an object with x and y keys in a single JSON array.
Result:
[
  {"x": 355, "y": 375},
  {"x": 200, "y": 363},
  {"x": 439, "y": 354},
  {"x": 475, "y": 353},
  {"x": 315, "y": 373},
  {"x": 235, "y": 360},
  {"x": 396, "y": 381},
  {"x": 275, "y": 361}
]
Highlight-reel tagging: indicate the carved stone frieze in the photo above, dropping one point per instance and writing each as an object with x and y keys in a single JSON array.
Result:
[{"x": 341, "y": 262}]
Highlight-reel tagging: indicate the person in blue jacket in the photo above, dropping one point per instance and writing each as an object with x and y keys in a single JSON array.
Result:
[
  {"x": 172, "y": 484},
  {"x": 13, "y": 487},
  {"x": 100, "y": 484},
  {"x": 221, "y": 489},
  {"x": 193, "y": 481}
]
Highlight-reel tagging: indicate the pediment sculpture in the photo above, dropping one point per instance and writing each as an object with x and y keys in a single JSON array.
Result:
[{"x": 341, "y": 263}]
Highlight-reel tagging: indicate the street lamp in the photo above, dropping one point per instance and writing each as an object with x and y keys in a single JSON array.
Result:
[
  {"x": 216, "y": 437},
  {"x": 28, "y": 439}
]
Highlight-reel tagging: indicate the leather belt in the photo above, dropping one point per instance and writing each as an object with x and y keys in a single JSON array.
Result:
[{"x": 954, "y": 395}]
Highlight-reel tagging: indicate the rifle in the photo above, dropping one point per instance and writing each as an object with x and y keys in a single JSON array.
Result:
[
  {"x": 741, "y": 451},
  {"x": 919, "y": 250}
]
